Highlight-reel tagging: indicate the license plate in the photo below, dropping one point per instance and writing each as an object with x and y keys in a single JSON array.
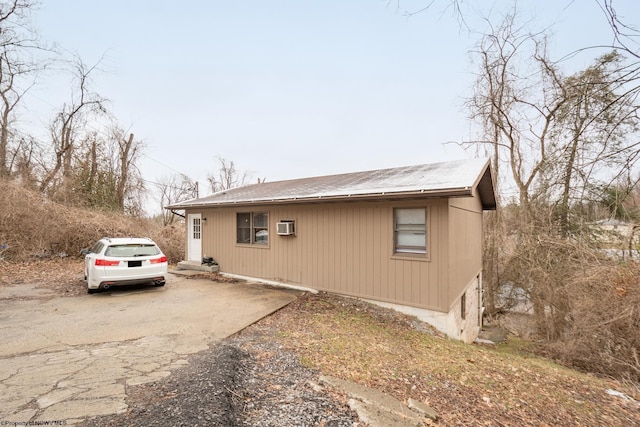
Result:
[{"x": 135, "y": 263}]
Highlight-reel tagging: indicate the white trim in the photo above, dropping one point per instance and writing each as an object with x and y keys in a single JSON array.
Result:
[{"x": 194, "y": 246}]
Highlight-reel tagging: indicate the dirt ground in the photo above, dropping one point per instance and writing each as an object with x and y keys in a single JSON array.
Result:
[{"x": 265, "y": 374}]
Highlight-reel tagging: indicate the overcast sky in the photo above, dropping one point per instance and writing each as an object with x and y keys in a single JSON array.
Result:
[{"x": 291, "y": 89}]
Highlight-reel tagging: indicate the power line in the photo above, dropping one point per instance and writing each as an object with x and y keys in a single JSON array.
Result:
[
  {"x": 166, "y": 166},
  {"x": 193, "y": 188}
]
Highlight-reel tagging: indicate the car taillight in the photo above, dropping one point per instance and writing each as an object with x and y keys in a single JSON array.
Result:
[
  {"x": 106, "y": 263},
  {"x": 158, "y": 260}
]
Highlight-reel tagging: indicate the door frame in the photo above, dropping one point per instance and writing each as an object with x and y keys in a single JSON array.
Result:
[{"x": 194, "y": 237}]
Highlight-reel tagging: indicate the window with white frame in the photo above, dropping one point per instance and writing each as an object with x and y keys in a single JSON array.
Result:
[
  {"x": 197, "y": 228},
  {"x": 410, "y": 231},
  {"x": 252, "y": 228}
]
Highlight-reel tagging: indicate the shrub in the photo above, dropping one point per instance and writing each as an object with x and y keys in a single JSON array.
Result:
[
  {"x": 585, "y": 304},
  {"x": 603, "y": 334}
]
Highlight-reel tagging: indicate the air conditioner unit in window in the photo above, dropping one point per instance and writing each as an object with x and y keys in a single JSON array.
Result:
[{"x": 285, "y": 228}]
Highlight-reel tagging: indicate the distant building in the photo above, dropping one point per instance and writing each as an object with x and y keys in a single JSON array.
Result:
[{"x": 618, "y": 237}]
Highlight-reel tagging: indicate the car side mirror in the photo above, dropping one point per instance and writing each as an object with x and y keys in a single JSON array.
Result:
[{"x": 85, "y": 251}]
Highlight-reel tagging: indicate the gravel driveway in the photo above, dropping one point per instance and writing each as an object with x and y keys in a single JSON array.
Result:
[{"x": 245, "y": 380}]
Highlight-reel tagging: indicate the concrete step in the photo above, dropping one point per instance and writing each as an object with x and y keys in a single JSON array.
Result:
[{"x": 196, "y": 266}]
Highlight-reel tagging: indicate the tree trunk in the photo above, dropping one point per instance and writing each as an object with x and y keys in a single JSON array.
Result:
[
  {"x": 568, "y": 173},
  {"x": 125, "y": 162},
  {"x": 4, "y": 141}
]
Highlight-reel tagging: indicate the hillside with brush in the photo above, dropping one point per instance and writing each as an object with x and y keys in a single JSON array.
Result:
[{"x": 33, "y": 226}]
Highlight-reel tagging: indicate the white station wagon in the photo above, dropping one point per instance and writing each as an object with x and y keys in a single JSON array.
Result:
[{"x": 124, "y": 261}]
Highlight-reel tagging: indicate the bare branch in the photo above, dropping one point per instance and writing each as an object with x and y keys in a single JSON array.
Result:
[{"x": 227, "y": 176}]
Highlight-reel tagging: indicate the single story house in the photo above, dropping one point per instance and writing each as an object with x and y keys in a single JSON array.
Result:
[{"x": 410, "y": 237}]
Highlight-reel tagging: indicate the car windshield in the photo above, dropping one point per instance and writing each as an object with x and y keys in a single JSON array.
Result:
[{"x": 132, "y": 250}]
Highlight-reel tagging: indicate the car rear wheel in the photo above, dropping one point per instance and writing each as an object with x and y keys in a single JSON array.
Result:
[{"x": 92, "y": 291}]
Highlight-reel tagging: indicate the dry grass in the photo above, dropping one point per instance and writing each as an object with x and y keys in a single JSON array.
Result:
[
  {"x": 31, "y": 226},
  {"x": 466, "y": 384}
]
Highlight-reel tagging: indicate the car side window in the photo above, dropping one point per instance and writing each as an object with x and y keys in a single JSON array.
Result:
[{"x": 95, "y": 249}]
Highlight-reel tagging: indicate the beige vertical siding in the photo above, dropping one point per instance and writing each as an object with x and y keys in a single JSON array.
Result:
[
  {"x": 465, "y": 239},
  {"x": 348, "y": 248}
]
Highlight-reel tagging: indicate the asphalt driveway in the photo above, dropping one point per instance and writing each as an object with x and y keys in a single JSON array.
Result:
[{"x": 63, "y": 359}]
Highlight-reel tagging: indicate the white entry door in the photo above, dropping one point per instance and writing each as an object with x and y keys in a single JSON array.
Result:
[{"x": 194, "y": 243}]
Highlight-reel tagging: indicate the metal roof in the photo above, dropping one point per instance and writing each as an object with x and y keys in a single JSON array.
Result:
[{"x": 448, "y": 179}]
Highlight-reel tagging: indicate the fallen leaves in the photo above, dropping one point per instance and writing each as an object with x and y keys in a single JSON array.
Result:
[
  {"x": 380, "y": 348},
  {"x": 62, "y": 275}
]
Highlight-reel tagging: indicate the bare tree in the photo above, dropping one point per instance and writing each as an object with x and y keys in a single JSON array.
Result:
[
  {"x": 105, "y": 174},
  {"x": 569, "y": 145},
  {"x": 129, "y": 184},
  {"x": 66, "y": 126},
  {"x": 560, "y": 137},
  {"x": 557, "y": 135},
  {"x": 594, "y": 132},
  {"x": 625, "y": 36},
  {"x": 17, "y": 68},
  {"x": 95, "y": 178},
  {"x": 22, "y": 160},
  {"x": 516, "y": 99},
  {"x": 173, "y": 189},
  {"x": 227, "y": 176}
]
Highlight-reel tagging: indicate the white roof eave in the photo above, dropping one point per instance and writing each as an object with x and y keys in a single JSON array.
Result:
[{"x": 452, "y": 192}]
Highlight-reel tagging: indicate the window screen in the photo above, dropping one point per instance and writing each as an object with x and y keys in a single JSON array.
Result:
[{"x": 410, "y": 230}]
